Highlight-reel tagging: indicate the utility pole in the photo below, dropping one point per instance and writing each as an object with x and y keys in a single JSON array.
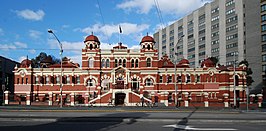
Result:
[{"x": 234, "y": 80}]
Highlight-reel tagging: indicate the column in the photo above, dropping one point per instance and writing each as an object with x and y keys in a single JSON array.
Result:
[
  {"x": 206, "y": 102},
  {"x": 72, "y": 99},
  {"x": 226, "y": 100},
  {"x": 28, "y": 102},
  {"x": 86, "y": 101},
  {"x": 186, "y": 99},
  {"x": 50, "y": 102},
  {"x": 7, "y": 97},
  {"x": 259, "y": 99}
]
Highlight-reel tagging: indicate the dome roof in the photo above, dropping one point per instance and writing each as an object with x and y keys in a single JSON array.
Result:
[
  {"x": 147, "y": 39},
  {"x": 184, "y": 62},
  {"x": 25, "y": 63},
  {"x": 92, "y": 38},
  {"x": 47, "y": 60},
  {"x": 207, "y": 63}
]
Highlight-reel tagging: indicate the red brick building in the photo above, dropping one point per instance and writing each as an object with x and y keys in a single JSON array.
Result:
[{"x": 122, "y": 76}]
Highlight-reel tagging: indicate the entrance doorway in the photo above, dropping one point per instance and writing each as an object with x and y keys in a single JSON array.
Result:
[{"x": 120, "y": 98}]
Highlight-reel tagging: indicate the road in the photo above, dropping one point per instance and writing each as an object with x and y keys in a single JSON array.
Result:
[{"x": 131, "y": 120}]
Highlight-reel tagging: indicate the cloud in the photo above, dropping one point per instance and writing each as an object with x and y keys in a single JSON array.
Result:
[
  {"x": 109, "y": 30},
  {"x": 13, "y": 46},
  {"x": 35, "y": 34},
  {"x": 20, "y": 59},
  {"x": 176, "y": 7},
  {"x": 32, "y": 51},
  {"x": 31, "y": 15}
]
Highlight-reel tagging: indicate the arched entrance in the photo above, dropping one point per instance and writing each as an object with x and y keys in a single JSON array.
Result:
[{"x": 120, "y": 98}]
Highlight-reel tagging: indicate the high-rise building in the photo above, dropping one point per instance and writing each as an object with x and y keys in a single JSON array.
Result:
[{"x": 226, "y": 29}]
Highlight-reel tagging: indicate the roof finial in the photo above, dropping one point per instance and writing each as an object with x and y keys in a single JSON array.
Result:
[
  {"x": 92, "y": 33},
  {"x": 27, "y": 57},
  {"x": 147, "y": 34}
]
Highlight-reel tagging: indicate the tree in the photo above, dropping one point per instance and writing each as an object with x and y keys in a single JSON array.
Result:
[
  {"x": 249, "y": 72},
  {"x": 214, "y": 60},
  {"x": 36, "y": 62}
]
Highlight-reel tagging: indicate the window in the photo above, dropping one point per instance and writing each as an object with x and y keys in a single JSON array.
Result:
[
  {"x": 263, "y": 7},
  {"x": 26, "y": 80},
  {"x": 22, "y": 81},
  {"x": 107, "y": 63},
  {"x": 57, "y": 79},
  {"x": 169, "y": 79},
  {"x": 231, "y": 28},
  {"x": 124, "y": 63},
  {"x": 148, "y": 82},
  {"x": 105, "y": 84},
  {"x": 91, "y": 62},
  {"x": 188, "y": 79},
  {"x": 202, "y": 53},
  {"x": 78, "y": 79},
  {"x": 190, "y": 36},
  {"x": 103, "y": 63},
  {"x": 47, "y": 80},
  {"x": 215, "y": 50},
  {"x": 229, "y": 20},
  {"x": 136, "y": 63},
  {"x": 263, "y": 27},
  {"x": 263, "y": 48},
  {"x": 202, "y": 31},
  {"x": 179, "y": 79},
  {"x": 191, "y": 49},
  {"x": 231, "y": 37},
  {"x": 215, "y": 26},
  {"x": 68, "y": 80},
  {"x": 120, "y": 62},
  {"x": 132, "y": 63},
  {"x": 149, "y": 62},
  {"x": 90, "y": 82},
  {"x": 229, "y": 3},
  {"x": 17, "y": 80},
  {"x": 215, "y": 10},
  {"x": 263, "y": 58},
  {"x": 161, "y": 79},
  {"x": 215, "y": 42},
  {"x": 37, "y": 80},
  {"x": 231, "y": 45},
  {"x": 263, "y": 37},
  {"x": 215, "y": 34},
  {"x": 73, "y": 80},
  {"x": 202, "y": 38},
  {"x": 197, "y": 78},
  {"x": 202, "y": 46},
  {"x": 230, "y": 11},
  {"x": 263, "y": 68},
  {"x": 116, "y": 63},
  {"x": 215, "y": 18}
]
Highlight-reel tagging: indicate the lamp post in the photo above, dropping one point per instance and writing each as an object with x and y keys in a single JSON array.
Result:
[
  {"x": 61, "y": 52},
  {"x": 235, "y": 80},
  {"x": 179, "y": 39}
]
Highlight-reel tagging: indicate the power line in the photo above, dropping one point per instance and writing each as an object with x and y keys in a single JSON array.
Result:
[
  {"x": 159, "y": 13},
  {"x": 103, "y": 21}
]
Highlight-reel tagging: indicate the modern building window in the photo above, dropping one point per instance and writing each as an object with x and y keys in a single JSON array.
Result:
[
  {"x": 91, "y": 62},
  {"x": 263, "y": 38},
  {"x": 148, "y": 82},
  {"x": 215, "y": 18},
  {"x": 263, "y": 68},
  {"x": 263, "y": 8},
  {"x": 229, "y": 20},
  {"x": 215, "y": 34},
  {"x": 263, "y": 18},
  {"x": 202, "y": 53},
  {"x": 231, "y": 45},
  {"x": 231, "y": 28},
  {"x": 215, "y": 26},
  {"x": 149, "y": 62},
  {"x": 263, "y": 28},
  {"x": 201, "y": 46},
  {"x": 191, "y": 49},
  {"x": 215, "y": 10},
  {"x": 230, "y": 11},
  {"x": 231, "y": 37},
  {"x": 215, "y": 50},
  {"x": 215, "y": 42},
  {"x": 229, "y": 3},
  {"x": 263, "y": 58}
]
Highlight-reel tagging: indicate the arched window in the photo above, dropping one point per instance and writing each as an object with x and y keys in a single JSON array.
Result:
[
  {"x": 148, "y": 82},
  {"x": 188, "y": 78},
  {"x": 91, "y": 82},
  {"x": 107, "y": 63},
  {"x": 135, "y": 84},
  {"x": 236, "y": 80},
  {"x": 124, "y": 63},
  {"x": 91, "y": 62},
  {"x": 91, "y": 46},
  {"x": 149, "y": 47},
  {"x": 120, "y": 62},
  {"x": 116, "y": 63},
  {"x": 132, "y": 63},
  {"x": 143, "y": 46},
  {"x": 149, "y": 62},
  {"x": 103, "y": 63},
  {"x": 136, "y": 63}
]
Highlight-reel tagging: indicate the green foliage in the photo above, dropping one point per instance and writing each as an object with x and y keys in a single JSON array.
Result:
[
  {"x": 36, "y": 62},
  {"x": 248, "y": 71}
]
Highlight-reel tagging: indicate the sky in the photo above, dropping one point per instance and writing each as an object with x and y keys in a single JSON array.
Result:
[{"x": 24, "y": 24}]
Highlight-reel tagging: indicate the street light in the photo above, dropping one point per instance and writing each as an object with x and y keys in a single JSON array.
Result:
[
  {"x": 61, "y": 52},
  {"x": 179, "y": 39}
]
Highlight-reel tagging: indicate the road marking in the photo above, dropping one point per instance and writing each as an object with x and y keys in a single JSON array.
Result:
[{"x": 185, "y": 127}]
